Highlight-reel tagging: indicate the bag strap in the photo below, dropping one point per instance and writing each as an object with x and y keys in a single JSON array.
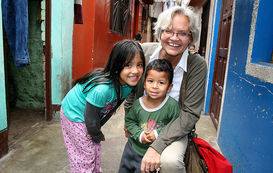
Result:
[{"x": 192, "y": 135}]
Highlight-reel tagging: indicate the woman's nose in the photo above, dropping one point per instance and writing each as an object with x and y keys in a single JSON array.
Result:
[{"x": 174, "y": 36}]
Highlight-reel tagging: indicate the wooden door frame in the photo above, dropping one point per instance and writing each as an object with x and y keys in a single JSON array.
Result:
[
  {"x": 47, "y": 52},
  {"x": 214, "y": 74},
  {"x": 215, "y": 66}
]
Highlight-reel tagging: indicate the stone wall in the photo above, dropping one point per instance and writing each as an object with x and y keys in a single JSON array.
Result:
[{"x": 26, "y": 85}]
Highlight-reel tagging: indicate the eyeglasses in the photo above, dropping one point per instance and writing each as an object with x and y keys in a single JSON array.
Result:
[{"x": 181, "y": 34}]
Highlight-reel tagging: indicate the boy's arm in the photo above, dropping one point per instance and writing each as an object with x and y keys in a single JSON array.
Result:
[{"x": 132, "y": 124}]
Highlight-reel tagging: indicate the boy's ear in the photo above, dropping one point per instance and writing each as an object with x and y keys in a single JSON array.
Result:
[{"x": 170, "y": 88}]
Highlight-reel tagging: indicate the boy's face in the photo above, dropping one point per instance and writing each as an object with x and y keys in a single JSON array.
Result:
[{"x": 157, "y": 85}]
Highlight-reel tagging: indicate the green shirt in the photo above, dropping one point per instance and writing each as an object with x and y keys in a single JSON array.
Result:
[{"x": 141, "y": 119}]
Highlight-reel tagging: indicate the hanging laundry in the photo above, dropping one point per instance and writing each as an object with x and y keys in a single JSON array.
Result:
[
  {"x": 78, "y": 12},
  {"x": 15, "y": 19},
  {"x": 171, "y": 3}
]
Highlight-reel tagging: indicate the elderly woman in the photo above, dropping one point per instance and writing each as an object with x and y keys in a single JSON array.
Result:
[{"x": 176, "y": 29}]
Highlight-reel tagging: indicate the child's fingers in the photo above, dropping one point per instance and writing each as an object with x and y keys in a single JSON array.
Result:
[
  {"x": 151, "y": 137},
  {"x": 147, "y": 140},
  {"x": 89, "y": 137},
  {"x": 150, "y": 134},
  {"x": 147, "y": 132},
  {"x": 127, "y": 134},
  {"x": 143, "y": 138}
]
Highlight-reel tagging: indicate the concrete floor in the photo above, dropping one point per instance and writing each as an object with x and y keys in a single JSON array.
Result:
[{"x": 41, "y": 148}]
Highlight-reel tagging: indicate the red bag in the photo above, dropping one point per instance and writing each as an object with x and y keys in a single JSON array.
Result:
[{"x": 215, "y": 161}]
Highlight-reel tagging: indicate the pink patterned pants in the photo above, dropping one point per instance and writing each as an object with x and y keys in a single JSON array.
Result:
[{"x": 84, "y": 154}]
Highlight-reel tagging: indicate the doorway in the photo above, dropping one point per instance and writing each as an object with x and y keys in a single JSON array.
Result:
[
  {"x": 26, "y": 86},
  {"x": 220, "y": 61}
]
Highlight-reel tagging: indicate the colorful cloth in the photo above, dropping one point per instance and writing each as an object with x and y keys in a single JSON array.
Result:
[{"x": 84, "y": 154}]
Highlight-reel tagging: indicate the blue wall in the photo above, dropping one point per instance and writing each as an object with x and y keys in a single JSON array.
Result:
[
  {"x": 3, "y": 109},
  {"x": 212, "y": 51},
  {"x": 246, "y": 133}
]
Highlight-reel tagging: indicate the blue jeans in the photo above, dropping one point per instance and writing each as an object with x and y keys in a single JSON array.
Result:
[{"x": 15, "y": 19}]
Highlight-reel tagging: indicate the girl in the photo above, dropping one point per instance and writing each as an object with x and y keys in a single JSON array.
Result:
[{"x": 92, "y": 101}]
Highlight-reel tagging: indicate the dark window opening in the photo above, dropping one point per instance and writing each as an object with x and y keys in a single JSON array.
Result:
[{"x": 120, "y": 19}]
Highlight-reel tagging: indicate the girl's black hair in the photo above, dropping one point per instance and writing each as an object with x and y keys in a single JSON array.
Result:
[
  {"x": 122, "y": 53},
  {"x": 161, "y": 65}
]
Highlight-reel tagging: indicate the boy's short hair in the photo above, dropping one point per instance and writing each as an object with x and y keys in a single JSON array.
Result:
[{"x": 161, "y": 65}]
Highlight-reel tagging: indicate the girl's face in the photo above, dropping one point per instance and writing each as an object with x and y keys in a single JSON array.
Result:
[
  {"x": 157, "y": 85},
  {"x": 132, "y": 72}
]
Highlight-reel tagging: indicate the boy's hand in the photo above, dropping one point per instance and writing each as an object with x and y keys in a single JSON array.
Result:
[
  {"x": 127, "y": 134},
  {"x": 144, "y": 139},
  {"x": 150, "y": 135}
]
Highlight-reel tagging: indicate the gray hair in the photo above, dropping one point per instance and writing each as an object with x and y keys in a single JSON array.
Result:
[{"x": 165, "y": 19}]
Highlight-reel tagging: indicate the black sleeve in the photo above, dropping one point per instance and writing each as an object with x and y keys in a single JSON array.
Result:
[{"x": 92, "y": 122}]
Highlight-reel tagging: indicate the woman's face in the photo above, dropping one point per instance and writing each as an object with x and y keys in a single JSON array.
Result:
[{"x": 176, "y": 38}]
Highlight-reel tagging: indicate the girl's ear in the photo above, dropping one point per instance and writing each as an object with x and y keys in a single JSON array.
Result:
[{"x": 170, "y": 88}]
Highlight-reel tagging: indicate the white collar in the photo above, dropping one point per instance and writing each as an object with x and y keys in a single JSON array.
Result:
[{"x": 182, "y": 62}]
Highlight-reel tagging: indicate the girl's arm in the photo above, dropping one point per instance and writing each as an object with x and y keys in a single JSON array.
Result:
[{"x": 92, "y": 122}]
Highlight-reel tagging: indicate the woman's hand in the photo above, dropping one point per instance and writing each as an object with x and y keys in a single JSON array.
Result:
[{"x": 150, "y": 161}]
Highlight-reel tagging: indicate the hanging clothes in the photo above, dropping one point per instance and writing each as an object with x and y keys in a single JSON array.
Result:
[
  {"x": 78, "y": 12},
  {"x": 171, "y": 3},
  {"x": 15, "y": 19}
]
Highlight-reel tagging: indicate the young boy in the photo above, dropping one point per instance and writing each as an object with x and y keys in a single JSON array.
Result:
[{"x": 149, "y": 114}]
